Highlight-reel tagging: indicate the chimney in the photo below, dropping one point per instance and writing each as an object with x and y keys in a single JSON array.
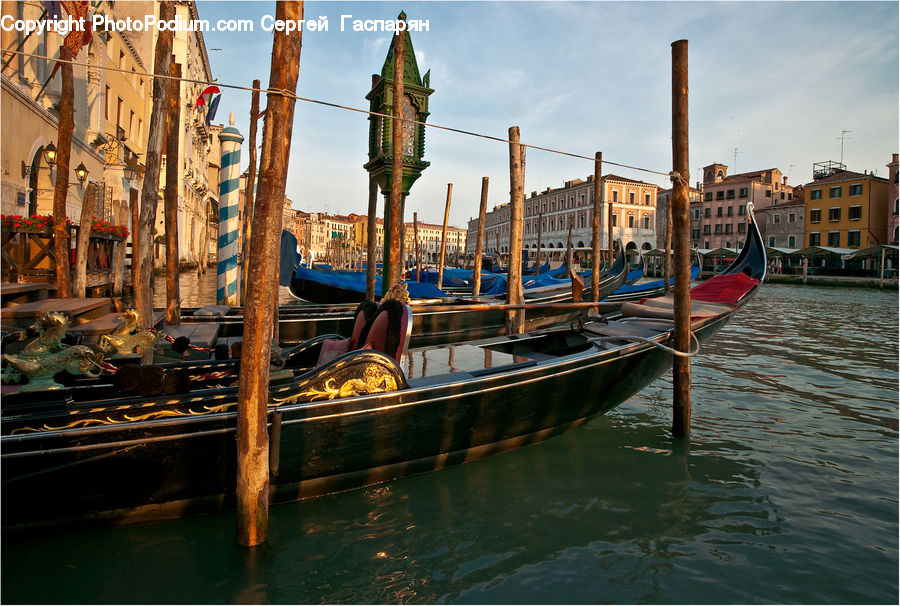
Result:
[
  {"x": 894, "y": 158},
  {"x": 784, "y": 182}
]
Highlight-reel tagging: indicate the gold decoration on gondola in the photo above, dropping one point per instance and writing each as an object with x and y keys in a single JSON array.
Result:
[
  {"x": 150, "y": 416},
  {"x": 46, "y": 355},
  {"x": 398, "y": 292},
  {"x": 375, "y": 379},
  {"x": 129, "y": 335}
]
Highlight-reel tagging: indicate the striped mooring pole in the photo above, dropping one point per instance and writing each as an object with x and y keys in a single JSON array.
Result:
[{"x": 227, "y": 274}]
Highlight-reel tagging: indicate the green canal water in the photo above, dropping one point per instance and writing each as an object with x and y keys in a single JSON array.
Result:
[{"x": 787, "y": 493}]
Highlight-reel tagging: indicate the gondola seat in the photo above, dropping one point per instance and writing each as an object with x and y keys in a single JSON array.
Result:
[
  {"x": 391, "y": 330},
  {"x": 664, "y": 307},
  {"x": 362, "y": 322}
]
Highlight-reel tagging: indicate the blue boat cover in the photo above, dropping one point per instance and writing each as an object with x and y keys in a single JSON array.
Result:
[
  {"x": 289, "y": 257},
  {"x": 356, "y": 281}
]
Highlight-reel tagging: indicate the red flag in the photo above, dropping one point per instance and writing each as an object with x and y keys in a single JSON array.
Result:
[
  {"x": 78, "y": 10},
  {"x": 206, "y": 96}
]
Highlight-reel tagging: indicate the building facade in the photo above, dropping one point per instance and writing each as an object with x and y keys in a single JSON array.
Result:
[
  {"x": 111, "y": 116},
  {"x": 549, "y": 214},
  {"x": 429, "y": 238},
  {"x": 663, "y": 202},
  {"x": 719, "y": 219},
  {"x": 195, "y": 191},
  {"x": 784, "y": 224},
  {"x": 894, "y": 200},
  {"x": 846, "y": 209}
]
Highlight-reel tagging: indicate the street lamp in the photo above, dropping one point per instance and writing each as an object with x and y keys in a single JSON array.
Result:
[
  {"x": 81, "y": 173},
  {"x": 50, "y": 154}
]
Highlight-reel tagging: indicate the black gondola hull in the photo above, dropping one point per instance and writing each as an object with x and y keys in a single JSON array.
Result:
[{"x": 169, "y": 468}]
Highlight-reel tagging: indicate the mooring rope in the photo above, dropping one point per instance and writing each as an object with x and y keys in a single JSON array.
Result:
[{"x": 666, "y": 348}]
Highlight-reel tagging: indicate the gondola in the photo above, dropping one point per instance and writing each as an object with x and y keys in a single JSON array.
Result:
[
  {"x": 636, "y": 273},
  {"x": 367, "y": 416},
  {"x": 655, "y": 288},
  {"x": 319, "y": 286},
  {"x": 435, "y": 321}
]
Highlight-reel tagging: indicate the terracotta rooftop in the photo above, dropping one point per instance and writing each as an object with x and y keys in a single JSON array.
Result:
[
  {"x": 625, "y": 179},
  {"x": 745, "y": 176}
]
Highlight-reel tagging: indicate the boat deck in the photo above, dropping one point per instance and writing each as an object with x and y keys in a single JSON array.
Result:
[{"x": 447, "y": 359}]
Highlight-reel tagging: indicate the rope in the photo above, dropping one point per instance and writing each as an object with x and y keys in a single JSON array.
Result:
[
  {"x": 285, "y": 93},
  {"x": 666, "y": 348}
]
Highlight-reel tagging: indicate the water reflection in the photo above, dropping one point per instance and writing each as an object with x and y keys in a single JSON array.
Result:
[{"x": 197, "y": 291}]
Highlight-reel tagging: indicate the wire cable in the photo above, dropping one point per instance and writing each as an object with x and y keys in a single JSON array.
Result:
[{"x": 673, "y": 175}]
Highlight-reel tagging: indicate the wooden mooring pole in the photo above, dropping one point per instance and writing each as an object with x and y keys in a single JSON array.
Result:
[
  {"x": 393, "y": 217},
  {"x": 371, "y": 240},
  {"x": 170, "y": 208},
  {"x": 595, "y": 227},
  {"x": 515, "y": 319},
  {"x": 61, "y": 186},
  {"x": 143, "y": 295},
  {"x": 681, "y": 225},
  {"x": 667, "y": 274},
  {"x": 416, "y": 242},
  {"x": 253, "y": 391},
  {"x": 88, "y": 210},
  {"x": 250, "y": 192},
  {"x": 479, "y": 239},
  {"x": 440, "y": 283}
]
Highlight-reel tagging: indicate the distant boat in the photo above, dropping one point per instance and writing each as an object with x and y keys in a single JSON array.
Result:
[
  {"x": 328, "y": 286},
  {"x": 634, "y": 292}
]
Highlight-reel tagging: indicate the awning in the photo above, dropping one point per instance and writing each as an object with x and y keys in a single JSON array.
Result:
[
  {"x": 822, "y": 250},
  {"x": 719, "y": 252},
  {"x": 773, "y": 251},
  {"x": 874, "y": 251}
]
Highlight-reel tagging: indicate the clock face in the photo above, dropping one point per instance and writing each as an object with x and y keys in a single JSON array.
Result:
[{"x": 409, "y": 128}]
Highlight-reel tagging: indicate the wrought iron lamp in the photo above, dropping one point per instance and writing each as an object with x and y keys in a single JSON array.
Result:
[
  {"x": 50, "y": 154},
  {"x": 81, "y": 173}
]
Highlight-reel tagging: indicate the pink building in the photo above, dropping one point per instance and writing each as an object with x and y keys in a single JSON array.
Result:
[
  {"x": 894, "y": 208},
  {"x": 719, "y": 219}
]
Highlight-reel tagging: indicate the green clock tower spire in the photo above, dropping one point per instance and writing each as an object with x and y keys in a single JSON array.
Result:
[{"x": 416, "y": 91}]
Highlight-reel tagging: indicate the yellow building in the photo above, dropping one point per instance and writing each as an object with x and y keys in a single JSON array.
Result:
[
  {"x": 111, "y": 115},
  {"x": 845, "y": 209}
]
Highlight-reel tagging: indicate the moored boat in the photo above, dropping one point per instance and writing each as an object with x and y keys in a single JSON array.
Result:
[{"x": 362, "y": 418}]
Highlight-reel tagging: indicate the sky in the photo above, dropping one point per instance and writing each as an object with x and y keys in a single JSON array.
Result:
[{"x": 771, "y": 85}]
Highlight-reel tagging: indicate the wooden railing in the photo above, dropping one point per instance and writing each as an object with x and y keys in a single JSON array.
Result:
[{"x": 28, "y": 256}]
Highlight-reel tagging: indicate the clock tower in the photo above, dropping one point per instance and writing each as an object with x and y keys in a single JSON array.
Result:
[
  {"x": 416, "y": 90},
  {"x": 415, "y": 105}
]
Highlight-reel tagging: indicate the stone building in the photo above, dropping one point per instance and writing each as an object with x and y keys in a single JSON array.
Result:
[
  {"x": 719, "y": 219},
  {"x": 663, "y": 201},
  {"x": 111, "y": 115},
  {"x": 633, "y": 216},
  {"x": 430, "y": 243},
  {"x": 195, "y": 191}
]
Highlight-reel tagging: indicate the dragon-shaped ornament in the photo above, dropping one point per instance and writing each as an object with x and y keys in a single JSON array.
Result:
[
  {"x": 46, "y": 355},
  {"x": 129, "y": 335}
]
